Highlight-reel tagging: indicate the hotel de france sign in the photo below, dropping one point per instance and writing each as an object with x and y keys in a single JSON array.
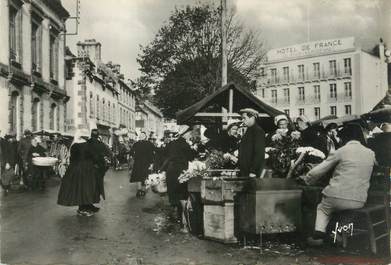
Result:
[{"x": 310, "y": 49}]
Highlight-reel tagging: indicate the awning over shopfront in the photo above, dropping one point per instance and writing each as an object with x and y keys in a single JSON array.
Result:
[{"x": 230, "y": 97}]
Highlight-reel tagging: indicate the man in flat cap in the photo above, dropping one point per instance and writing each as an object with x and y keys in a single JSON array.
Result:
[{"x": 252, "y": 146}]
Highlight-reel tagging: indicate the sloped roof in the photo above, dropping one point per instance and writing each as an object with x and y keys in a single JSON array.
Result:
[{"x": 242, "y": 99}]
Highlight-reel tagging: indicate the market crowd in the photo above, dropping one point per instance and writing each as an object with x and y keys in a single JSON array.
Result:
[{"x": 338, "y": 155}]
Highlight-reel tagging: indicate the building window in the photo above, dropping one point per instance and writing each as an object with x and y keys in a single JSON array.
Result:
[
  {"x": 348, "y": 109},
  {"x": 274, "y": 96},
  {"x": 15, "y": 34},
  {"x": 52, "y": 116},
  {"x": 92, "y": 105},
  {"x": 301, "y": 111},
  {"x": 316, "y": 70},
  {"x": 347, "y": 66},
  {"x": 348, "y": 90},
  {"x": 14, "y": 112},
  {"x": 103, "y": 110},
  {"x": 53, "y": 52},
  {"x": 286, "y": 111},
  {"x": 36, "y": 46},
  {"x": 301, "y": 94},
  {"x": 35, "y": 114},
  {"x": 301, "y": 71},
  {"x": 333, "y": 91},
  {"x": 317, "y": 92},
  {"x": 109, "y": 112},
  {"x": 97, "y": 107},
  {"x": 333, "y": 68},
  {"x": 262, "y": 94},
  {"x": 274, "y": 75},
  {"x": 333, "y": 110},
  {"x": 114, "y": 114},
  {"x": 286, "y": 95},
  {"x": 286, "y": 73},
  {"x": 317, "y": 112}
]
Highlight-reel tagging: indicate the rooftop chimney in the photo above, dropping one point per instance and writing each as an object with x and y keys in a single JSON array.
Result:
[{"x": 90, "y": 48}]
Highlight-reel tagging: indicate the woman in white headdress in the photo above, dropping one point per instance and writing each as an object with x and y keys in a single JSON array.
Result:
[{"x": 78, "y": 187}]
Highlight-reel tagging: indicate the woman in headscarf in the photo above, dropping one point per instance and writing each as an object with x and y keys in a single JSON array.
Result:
[
  {"x": 179, "y": 155},
  {"x": 79, "y": 185},
  {"x": 143, "y": 155}
]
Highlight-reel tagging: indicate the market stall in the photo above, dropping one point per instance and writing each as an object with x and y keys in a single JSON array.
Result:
[{"x": 231, "y": 203}]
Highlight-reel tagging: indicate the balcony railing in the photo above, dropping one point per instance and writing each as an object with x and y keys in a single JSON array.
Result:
[
  {"x": 281, "y": 80},
  {"x": 279, "y": 102},
  {"x": 340, "y": 97}
]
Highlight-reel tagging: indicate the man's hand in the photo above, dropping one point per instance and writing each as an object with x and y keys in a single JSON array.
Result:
[
  {"x": 252, "y": 175},
  {"x": 7, "y": 166},
  {"x": 150, "y": 167},
  {"x": 301, "y": 180}
]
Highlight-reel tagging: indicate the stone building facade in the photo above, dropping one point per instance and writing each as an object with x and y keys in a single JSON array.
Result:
[
  {"x": 32, "y": 74},
  {"x": 99, "y": 96},
  {"x": 149, "y": 119}
]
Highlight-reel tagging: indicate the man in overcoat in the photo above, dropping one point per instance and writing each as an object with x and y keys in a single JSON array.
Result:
[{"x": 252, "y": 146}]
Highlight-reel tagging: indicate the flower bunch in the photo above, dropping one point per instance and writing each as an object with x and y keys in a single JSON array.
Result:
[
  {"x": 196, "y": 169},
  {"x": 231, "y": 158},
  {"x": 296, "y": 135},
  {"x": 155, "y": 179},
  {"x": 281, "y": 151},
  {"x": 311, "y": 151},
  {"x": 215, "y": 160},
  {"x": 310, "y": 158}
]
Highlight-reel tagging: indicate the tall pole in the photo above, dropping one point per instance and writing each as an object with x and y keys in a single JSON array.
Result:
[{"x": 223, "y": 43}]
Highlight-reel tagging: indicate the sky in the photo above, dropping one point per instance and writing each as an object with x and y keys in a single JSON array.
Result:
[{"x": 123, "y": 25}]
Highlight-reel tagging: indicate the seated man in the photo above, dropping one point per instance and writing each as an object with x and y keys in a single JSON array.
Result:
[{"x": 348, "y": 187}]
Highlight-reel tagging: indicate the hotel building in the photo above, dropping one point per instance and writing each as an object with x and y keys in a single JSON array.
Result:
[{"x": 321, "y": 78}]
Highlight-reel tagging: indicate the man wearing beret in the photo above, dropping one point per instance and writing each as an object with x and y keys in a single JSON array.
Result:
[{"x": 252, "y": 146}]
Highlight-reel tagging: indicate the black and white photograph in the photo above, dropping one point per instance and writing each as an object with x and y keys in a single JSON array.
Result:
[{"x": 195, "y": 132}]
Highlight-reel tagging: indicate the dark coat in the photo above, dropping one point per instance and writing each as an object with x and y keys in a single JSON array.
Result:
[
  {"x": 179, "y": 156},
  {"x": 313, "y": 136},
  {"x": 10, "y": 150},
  {"x": 99, "y": 151},
  {"x": 80, "y": 183},
  {"x": 252, "y": 151},
  {"x": 23, "y": 148},
  {"x": 143, "y": 155}
]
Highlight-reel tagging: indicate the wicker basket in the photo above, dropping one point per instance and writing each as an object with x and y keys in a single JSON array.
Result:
[
  {"x": 44, "y": 161},
  {"x": 160, "y": 188}
]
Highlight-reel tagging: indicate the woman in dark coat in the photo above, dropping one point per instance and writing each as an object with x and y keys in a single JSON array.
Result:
[
  {"x": 79, "y": 185},
  {"x": 143, "y": 155},
  {"x": 10, "y": 158},
  {"x": 179, "y": 155}
]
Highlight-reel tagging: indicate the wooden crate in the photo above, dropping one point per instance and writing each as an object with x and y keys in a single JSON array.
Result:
[
  {"x": 221, "y": 190},
  {"x": 219, "y": 222}
]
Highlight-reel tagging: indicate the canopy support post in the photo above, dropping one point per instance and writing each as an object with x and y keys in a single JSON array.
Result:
[{"x": 231, "y": 100}]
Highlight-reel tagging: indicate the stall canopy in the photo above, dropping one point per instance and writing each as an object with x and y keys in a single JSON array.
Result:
[
  {"x": 382, "y": 111},
  {"x": 230, "y": 97}
]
